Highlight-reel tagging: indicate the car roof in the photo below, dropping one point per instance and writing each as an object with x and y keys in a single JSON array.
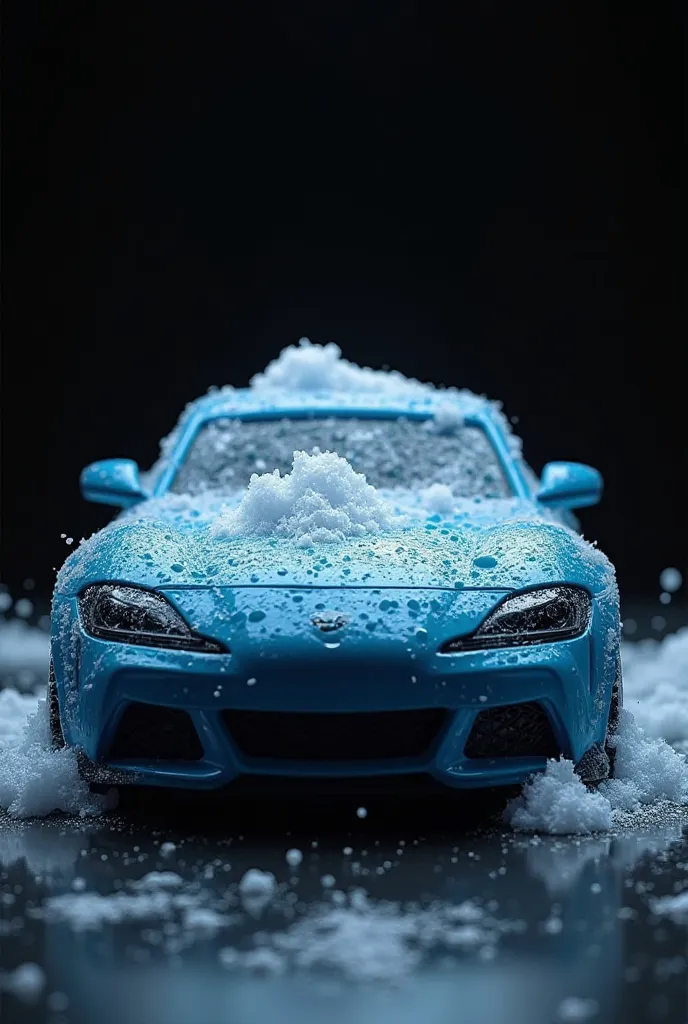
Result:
[{"x": 420, "y": 400}]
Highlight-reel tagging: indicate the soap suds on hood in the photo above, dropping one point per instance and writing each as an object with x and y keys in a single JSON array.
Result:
[{"x": 322, "y": 500}]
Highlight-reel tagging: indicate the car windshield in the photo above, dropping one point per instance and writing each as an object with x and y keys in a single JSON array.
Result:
[{"x": 394, "y": 454}]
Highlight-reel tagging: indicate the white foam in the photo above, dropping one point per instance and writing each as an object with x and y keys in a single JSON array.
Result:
[
  {"x": 26, "y": 982},
  {"x": 159, "y": 880},
  {"x": 647, "y": 770},
  {"x": 574, "y": 1010},
  {"x": 89, "y": 911},
  {"x": 670, "y": 579},
  {"x": 557, "y": 802},
  {"x": 313, "y": 367},
  {"x": 322, "y": 500},
  {"x": 655, "y": 674},
  {"x": 438, "y": 498},
  {"x": 257, "y": 883},
  {"x": 34, "y": 778},
  {"x": 15, "y": 709},
  {"x": 448, "y": 418}
]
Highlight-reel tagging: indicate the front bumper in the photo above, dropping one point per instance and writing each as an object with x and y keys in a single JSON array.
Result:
[{"x": 367, "y": 673}]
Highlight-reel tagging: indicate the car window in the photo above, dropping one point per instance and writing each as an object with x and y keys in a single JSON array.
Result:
[{"x": 394, "y": 454}]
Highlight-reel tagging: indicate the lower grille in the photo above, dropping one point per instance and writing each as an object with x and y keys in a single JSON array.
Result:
[
  {"x": 515, "y": 730},
  {"x": 151, "y": 733},
  {"x": 361, "y": 736}
]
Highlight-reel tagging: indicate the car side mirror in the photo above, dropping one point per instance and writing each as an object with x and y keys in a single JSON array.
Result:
[
  {"x": 569, "y": 485},
  {"x": 112, "y": 482}
]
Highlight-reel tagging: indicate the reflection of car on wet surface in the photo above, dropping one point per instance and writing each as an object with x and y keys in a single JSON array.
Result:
[
  {"x": 546, "y": 926},
  {"x": 466, "y": 645}
]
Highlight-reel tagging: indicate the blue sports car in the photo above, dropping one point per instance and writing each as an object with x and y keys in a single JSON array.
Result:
[{"x": 428, "y": 610}]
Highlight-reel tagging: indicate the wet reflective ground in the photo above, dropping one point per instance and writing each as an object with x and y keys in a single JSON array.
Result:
[{"x": 463, "y": 921}]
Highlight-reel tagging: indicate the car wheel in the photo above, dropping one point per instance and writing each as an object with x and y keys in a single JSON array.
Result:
[
  {"x": 56, "y": 735},
  {"x": 597, "y": 763}
]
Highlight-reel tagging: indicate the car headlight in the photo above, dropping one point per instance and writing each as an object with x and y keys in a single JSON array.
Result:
[
  {"x": 535, "y": 617},
  {"x": 130, "y": 615}
]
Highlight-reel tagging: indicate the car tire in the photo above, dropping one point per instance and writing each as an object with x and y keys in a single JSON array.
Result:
[
  {"x": 615, "y": 706},
  {"x": 56, "y": 734}
]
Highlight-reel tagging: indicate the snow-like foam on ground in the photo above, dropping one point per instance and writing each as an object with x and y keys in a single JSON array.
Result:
[
  {"x": 322, "y": 500},
  {"x": 655, "y": 676},
  {"x": 557, "y": 802},
  {"x": 647, "y": 768},
  {"x": 35, "y": 779},
  {"x": 15, "y": 709}
]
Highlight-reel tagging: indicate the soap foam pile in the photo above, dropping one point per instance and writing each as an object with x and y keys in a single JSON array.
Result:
[
  {"x": 656, "y": 686},
  {"x": 35, "y": 779},
  {"x": 647, "y": 770},
  {"x": 322, "y": 500},
  {"x": 313, "y": 368},
  {"x": 651, "y": 754}
]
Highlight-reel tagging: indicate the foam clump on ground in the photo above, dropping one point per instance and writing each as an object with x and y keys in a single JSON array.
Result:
[
  {"x": 35, "y": 779},
  {"x": 15, "y": 708},
  {"x": 322, "y": 500},
  {"x": 313, "y": 367},
  {"x": 656, "y": 686},
  {"x": 647, "y": 770},
  {"x": 558, "y": 802}
]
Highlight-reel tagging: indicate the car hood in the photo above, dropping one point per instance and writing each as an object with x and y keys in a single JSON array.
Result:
[{"x": 498, "y": 546}]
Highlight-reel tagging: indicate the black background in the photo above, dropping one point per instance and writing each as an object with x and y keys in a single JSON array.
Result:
[{"x": 489, "y": 199}]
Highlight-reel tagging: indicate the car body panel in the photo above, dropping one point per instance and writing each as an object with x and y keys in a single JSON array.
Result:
[
  {"x": 445, "y": 552},
  {"x": 399, "y": 597}
]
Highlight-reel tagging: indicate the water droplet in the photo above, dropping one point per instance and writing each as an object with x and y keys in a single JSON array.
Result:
[{"x": 485, "y": 562}]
